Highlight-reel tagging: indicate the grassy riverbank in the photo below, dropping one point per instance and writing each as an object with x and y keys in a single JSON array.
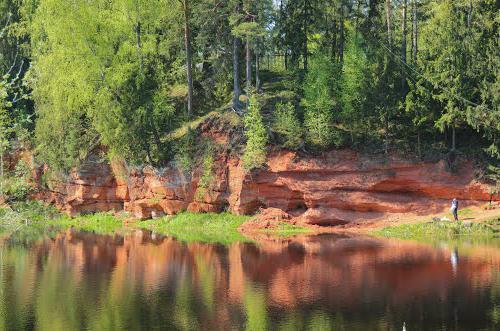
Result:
[
  {"x": 442, "y": 230},
  {"x": 29, "y": 220},
  {"x": 33, "y": 218},
  {"x": 189, "y": 227}
]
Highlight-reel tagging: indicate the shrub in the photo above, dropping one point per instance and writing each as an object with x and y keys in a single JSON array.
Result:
[
  {"x": 206, "y": 175},
  {"x": 319, "y": 130},
  {"x": 186, "y": 150},
  {"x": 255, "y": 151},
  {"x": 16, "y": 185},
  {"x": 287, "y": 126}
]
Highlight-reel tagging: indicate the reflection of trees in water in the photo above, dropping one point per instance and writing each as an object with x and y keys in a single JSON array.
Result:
[{"x": 79, "y": 280}]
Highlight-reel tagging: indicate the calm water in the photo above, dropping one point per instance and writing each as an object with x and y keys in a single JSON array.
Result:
[{"x": 78, "y": 281}]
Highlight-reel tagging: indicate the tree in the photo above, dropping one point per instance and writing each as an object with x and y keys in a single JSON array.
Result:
[
  {"x": 5, "y": 129},
  {"x": 189, "y": 56},
  {"x": 251, "y": 27},
  {"x": 288, "y": 127},
  {"x": 445, "y": 64},
  {"x": 354, "y": 86},
  {"x": 95, "y": 84},
  {"x": 320, "y": 101},
  {"x": 236, "y": 71},
  {"x": 257, "y": 138}
]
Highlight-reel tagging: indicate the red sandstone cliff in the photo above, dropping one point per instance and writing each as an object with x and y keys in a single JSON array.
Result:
[{"x": 335, "y": 188}]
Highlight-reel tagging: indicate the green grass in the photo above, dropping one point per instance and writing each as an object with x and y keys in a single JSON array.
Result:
[
  {"x": 28, "y": 221},
  {"x": 100, "y": 223},
  {"x": 32, "y": 220},
  {"x": 285, "y": 230},
  {"x": 207, "y": 228},
  {"x": 230, "y": 117},
  {"x": 441, "y": 230}
]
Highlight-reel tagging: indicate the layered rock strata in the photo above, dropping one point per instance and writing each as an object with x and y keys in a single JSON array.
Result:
[{"x": 337, "y": 187}]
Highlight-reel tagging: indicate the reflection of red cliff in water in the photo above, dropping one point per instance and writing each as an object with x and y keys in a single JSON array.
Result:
[
  {"x": 335, "y": 269},
  {"x": 221, "y": 287}
]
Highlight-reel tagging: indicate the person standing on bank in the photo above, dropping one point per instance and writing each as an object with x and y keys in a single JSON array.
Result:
[{"x": 454, "y": 208}]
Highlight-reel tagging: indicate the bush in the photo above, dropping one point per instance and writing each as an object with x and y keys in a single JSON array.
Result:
[
  {"x": 207, "y": 175},
  {"x": 255, "y": 151},
  {"x": 186, "y": 151},
  {"x": 319, "y": 131},
  {"x": 287, "y": 126},
  {"x": 16, "y": 185}
]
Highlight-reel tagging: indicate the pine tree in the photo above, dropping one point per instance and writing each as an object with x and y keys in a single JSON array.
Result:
[{"x": 257, "y": 138}]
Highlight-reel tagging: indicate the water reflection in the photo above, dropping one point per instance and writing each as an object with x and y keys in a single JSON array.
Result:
[{"x": 79, "y": 280}]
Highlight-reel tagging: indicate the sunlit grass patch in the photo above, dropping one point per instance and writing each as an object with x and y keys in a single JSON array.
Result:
[
  {"x": 190, "y": 227},
  {"x": 439, "y": 230},
  {"x": 101, "y": 223},
  {"x": 31, "y": 220}
]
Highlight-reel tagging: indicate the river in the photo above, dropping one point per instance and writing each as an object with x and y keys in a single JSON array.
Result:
[{"x": 142, "y": 281}]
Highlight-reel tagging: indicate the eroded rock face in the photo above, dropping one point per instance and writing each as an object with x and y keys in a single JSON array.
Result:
[
  {"x": 96, "y": 186},
  {"x": 344, "y": 186},
  {"x": 336, "y": 188}
]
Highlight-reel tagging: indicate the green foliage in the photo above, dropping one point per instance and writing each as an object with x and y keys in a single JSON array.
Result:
[
  {"x": 207, "y": 175},
  {"x": 257, "y": 138},
  {"x": 437, "y": 230},
  {"x": 27, "y": 221},
  {"x": 287, "y": 126},
  {"x": 188, "y": 227},
  {"x": 460, "y": 59},
  {"x": 186, "y": 150},
  {"x": 493, "y": 175},
  {"x": 22, "y": 213},
  {"x": 97, "y": 79},
  {"x": 82, "y": 77},
  {"x": 100, "y": 223},
  {"x": 319, "y": 101},
  {"x": 17, "y": 185},
  {"x": 353, "y": 84}
]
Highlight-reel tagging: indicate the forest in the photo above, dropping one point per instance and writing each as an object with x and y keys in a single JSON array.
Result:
[{"x": 414, "y": 76}]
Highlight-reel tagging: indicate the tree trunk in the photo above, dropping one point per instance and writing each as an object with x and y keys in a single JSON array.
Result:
[
  {"x": 403, "y": 49},
  {"x": 419, "y": 151},
  {"x": 139, "y": 46},
  {"x": 1, "y": 171},
  {"x": 453, "y": 138},
  {"x": 306, "y": 31},
  {"x": 469, "y": 14},
  {"x": 189, "y": 58},
  {"x": 342, "y": 35},
  {"x": 386, "y": 147},
  {"x": 388, "y": 17},
  {"x": 334, "y": 40},
  {"x": 249, "y": 66},
  {"x": 257, "y": 78},
  {"x": 469, "y": 31},
  {"x": 236, "y": 74},
  {"x": 358, "y": 13},
  {"x": 414, "y": 34}
]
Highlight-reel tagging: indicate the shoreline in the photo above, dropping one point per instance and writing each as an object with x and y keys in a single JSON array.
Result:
[{"x": 227, "y": 228}]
